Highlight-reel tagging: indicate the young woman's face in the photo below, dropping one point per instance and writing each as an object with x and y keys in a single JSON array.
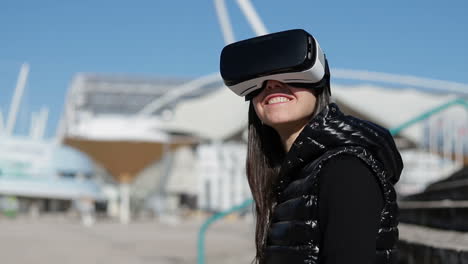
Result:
[{"x": 280, "y": 104}]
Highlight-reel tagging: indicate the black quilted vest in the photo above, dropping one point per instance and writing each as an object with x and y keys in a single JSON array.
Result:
[{"x": 294, "y": 235}]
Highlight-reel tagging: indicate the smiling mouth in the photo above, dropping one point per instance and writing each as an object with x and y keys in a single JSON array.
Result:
[{"x": 278, "y": 99}]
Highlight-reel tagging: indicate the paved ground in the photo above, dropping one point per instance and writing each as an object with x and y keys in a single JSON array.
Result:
[{"x": 56, "y": 240}]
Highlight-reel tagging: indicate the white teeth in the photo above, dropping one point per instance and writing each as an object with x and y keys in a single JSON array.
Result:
[{"x": 278, "y": 99}]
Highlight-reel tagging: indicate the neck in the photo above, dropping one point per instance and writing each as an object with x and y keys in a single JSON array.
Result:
[{"x": 288, "y": 133}]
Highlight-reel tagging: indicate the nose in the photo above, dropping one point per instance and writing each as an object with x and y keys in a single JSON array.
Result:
[{"x": 272, "y": 84}]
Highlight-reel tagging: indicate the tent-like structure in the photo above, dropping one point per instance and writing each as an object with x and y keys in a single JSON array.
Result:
[
  {"x": 118, "y": 121},
  {"x": 108, "y": 118}
]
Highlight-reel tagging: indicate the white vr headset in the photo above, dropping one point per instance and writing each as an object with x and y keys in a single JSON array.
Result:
[{"x": 293, "y": 57}]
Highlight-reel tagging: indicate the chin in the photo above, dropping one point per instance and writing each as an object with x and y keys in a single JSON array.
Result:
[{"x": 281, "y": 122}]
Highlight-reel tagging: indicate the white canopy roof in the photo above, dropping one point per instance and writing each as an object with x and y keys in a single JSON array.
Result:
[
  {"x": 216, "y": 116},
  {"x": 390, "y": 107},
  {"x": 120, "y": 128},
  {"x": 221, "y": 113},
  {"x": 213, "y": 112}
]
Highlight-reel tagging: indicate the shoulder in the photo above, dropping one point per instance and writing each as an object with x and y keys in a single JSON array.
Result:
[
  {"x": 346, "y": 168},
  {"x": 330, "y": 169},
  {"x": 348, "y": 176},
  {"x": 345, "y": 164},
  {"x": 333, "y": 165}
]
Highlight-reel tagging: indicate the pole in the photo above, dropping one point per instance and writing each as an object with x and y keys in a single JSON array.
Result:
[
  {"x": 33, "y": 127},
  {"x": 252, "y": 16},
  {"x": 224, "y": 21},
  {"x": 44, "y": 116},
  {"x": 124, "y": 210},
  {"x": 16, "y": 101}
]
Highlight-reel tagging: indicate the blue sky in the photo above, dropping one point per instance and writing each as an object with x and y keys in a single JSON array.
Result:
[{"x": 183, "y": 39}]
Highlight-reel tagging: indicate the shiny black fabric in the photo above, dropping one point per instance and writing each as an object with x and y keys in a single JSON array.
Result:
[{"x": 294, "y": 235}]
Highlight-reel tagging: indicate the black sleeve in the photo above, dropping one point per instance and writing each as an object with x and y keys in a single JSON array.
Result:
[{"x": 350, "y": 202}]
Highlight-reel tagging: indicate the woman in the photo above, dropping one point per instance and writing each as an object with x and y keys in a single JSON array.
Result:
[{"x": 322, "y": 181}]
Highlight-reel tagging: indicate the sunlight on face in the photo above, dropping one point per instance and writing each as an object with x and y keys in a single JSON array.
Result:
[{"x": 280, "y": 105}]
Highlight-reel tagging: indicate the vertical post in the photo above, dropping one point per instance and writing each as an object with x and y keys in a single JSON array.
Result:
[
  {"x": 451, "y": 135},
  {"x": 431, "y": 135},
  {"x": 460, "y": 135},
  {"x": 201, "y": 173},
  {"x": 238, "y": 176},
  {"x": 226, "y": 167},
  {"x": 113, "y": 205},
  {"x": 218, "y": 178},
  {"x": 245, "y": 185},
  {"x": 214, "y": 201},
  {"x": 446, "y": 140},
  {"x": 438, "y": 145},
  {"x": 124, "y": 210},
  {"x": 32, "y": 128},
  {"x": 42, "y": 122},
  {"x": 16, "y": 101}
]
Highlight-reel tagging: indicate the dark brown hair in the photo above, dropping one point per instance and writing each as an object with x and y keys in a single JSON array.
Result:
[{"x": 265, "y": 154}]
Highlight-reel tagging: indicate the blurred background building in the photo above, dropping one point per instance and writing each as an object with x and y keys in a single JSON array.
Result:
[
  {"x": 42, "y": 175},
  {"x": 176, "y": 143},
  {"x": 130, "y": 147},
  {"x": 168, "y": 143}
]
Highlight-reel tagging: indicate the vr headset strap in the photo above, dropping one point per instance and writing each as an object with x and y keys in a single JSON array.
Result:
[{"x": 324, "y": 83}]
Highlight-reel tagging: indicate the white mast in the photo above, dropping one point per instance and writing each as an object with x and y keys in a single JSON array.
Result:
[
  {"x": 39, "y": 123},
  {"x": 16, "y": 101},
  {"x": 224, "y": 21},
  {"x": 252, "y": 16},
  {"x": 42, "y": 122},
  {"x": 32, "y": 128}
]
